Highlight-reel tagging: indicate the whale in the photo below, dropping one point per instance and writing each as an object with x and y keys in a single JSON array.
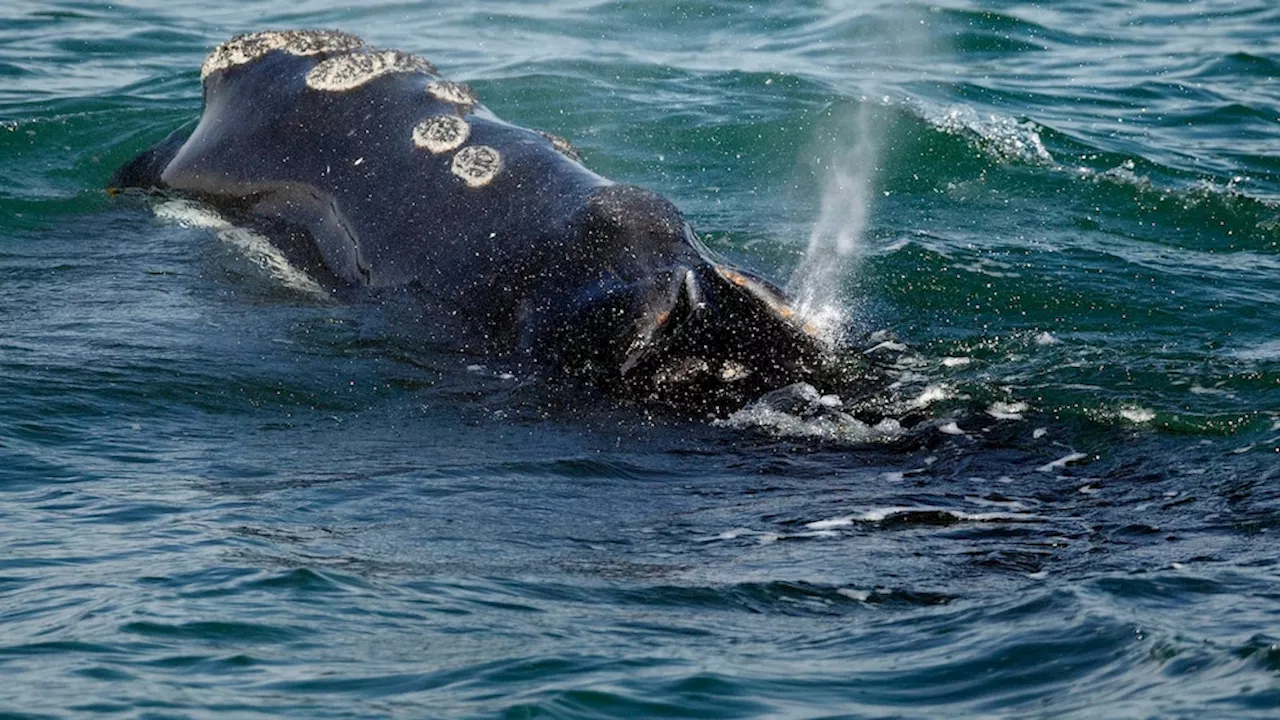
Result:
[{"x": 376, "y": 175}]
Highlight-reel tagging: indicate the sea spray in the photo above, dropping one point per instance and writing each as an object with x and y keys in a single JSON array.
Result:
[
  {"x": 836, "y": 242},
  {"x": 847, "y": 163}
]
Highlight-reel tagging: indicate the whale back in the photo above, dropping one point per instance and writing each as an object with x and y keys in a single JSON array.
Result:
[
  {"x": 398, "y": 174},
  {"x": 371, "y": 170}
]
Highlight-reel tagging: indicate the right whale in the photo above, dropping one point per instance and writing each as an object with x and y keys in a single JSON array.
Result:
[{"x": 369, "y": 170}]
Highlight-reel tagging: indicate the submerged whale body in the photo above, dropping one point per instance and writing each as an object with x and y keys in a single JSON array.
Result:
[{"x": 370, "y": 171}]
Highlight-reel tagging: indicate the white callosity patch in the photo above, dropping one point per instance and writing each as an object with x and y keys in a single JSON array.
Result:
[
  {"x": 348, "y": 72},
  {"x": 477, "y": 165},
  {"x": 244, "y": 49},
  {"x": 452, "y": 92},
  {"x": 564, "y": 147},
  {"x": 441, "y": 133}
]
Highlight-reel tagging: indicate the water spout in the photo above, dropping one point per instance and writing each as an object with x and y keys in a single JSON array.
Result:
[{"x": 836, "y": 242}]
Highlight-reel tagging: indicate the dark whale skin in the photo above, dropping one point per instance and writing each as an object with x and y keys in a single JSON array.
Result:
[{"x": 516, "y": 248}]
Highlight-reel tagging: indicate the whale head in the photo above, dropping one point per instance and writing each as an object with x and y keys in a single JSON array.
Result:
[{"x": 645, "y": 309}]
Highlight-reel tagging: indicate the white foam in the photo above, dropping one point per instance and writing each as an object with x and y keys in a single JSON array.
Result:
[
  {"x": 1062, "y": 462},
  {"x": 765, "y": 537},
  {"x": 822, "y": 320},
  {"x": 244, "y": 49},
  {"x": 1007, "y": 411},
  {"x": 990, "y": 268},
  {"x": 831, "y": 523},
  {"x": 1046, "y": 338},
  {"x": 1004, "y": 138},
  {"x": 1122, "y": 174},
  {"x": 1269, "y": 350},
  {"x": 1136, "y": 414},
  {"x": 879, "y": 515},
  {"x": 931, "y": 395},
  {"x": 253, "y": 246},
  {"x": 833, "y": 425}
]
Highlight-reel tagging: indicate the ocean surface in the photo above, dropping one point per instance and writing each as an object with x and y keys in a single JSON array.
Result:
[{"x": 1058, "y": 224}]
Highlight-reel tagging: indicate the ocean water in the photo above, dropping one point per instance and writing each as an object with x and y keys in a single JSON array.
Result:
[{"x": 223, "y": 495}]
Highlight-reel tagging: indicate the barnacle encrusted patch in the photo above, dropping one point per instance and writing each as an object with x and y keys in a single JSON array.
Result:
[
  {"x": 348, "y": 72},
  {"x": 452, "y": 92},
  {"x": 477, "y": 165},
  {"x": 441, "y": 133},
  {"x": 564, "y": 147},
  {"x": 248, "y": 48}
]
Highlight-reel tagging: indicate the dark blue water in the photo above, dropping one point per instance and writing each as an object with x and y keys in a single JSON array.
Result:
[{"x": 222, "y": 495}]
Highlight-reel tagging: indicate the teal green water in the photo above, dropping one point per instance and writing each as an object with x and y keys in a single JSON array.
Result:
[{"x": 221, "y": 496}]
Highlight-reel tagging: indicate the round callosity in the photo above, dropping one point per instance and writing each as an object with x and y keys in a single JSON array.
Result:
[
  {"x": 441, "y": 133},
  {"x": 348, "y": 72},
  {"x": 477, "y": 165}
]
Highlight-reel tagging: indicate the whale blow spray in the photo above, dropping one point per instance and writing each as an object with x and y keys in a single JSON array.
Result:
[
  {"x": 848, "y": 166},
  {"x": 836, "y": 242}
]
